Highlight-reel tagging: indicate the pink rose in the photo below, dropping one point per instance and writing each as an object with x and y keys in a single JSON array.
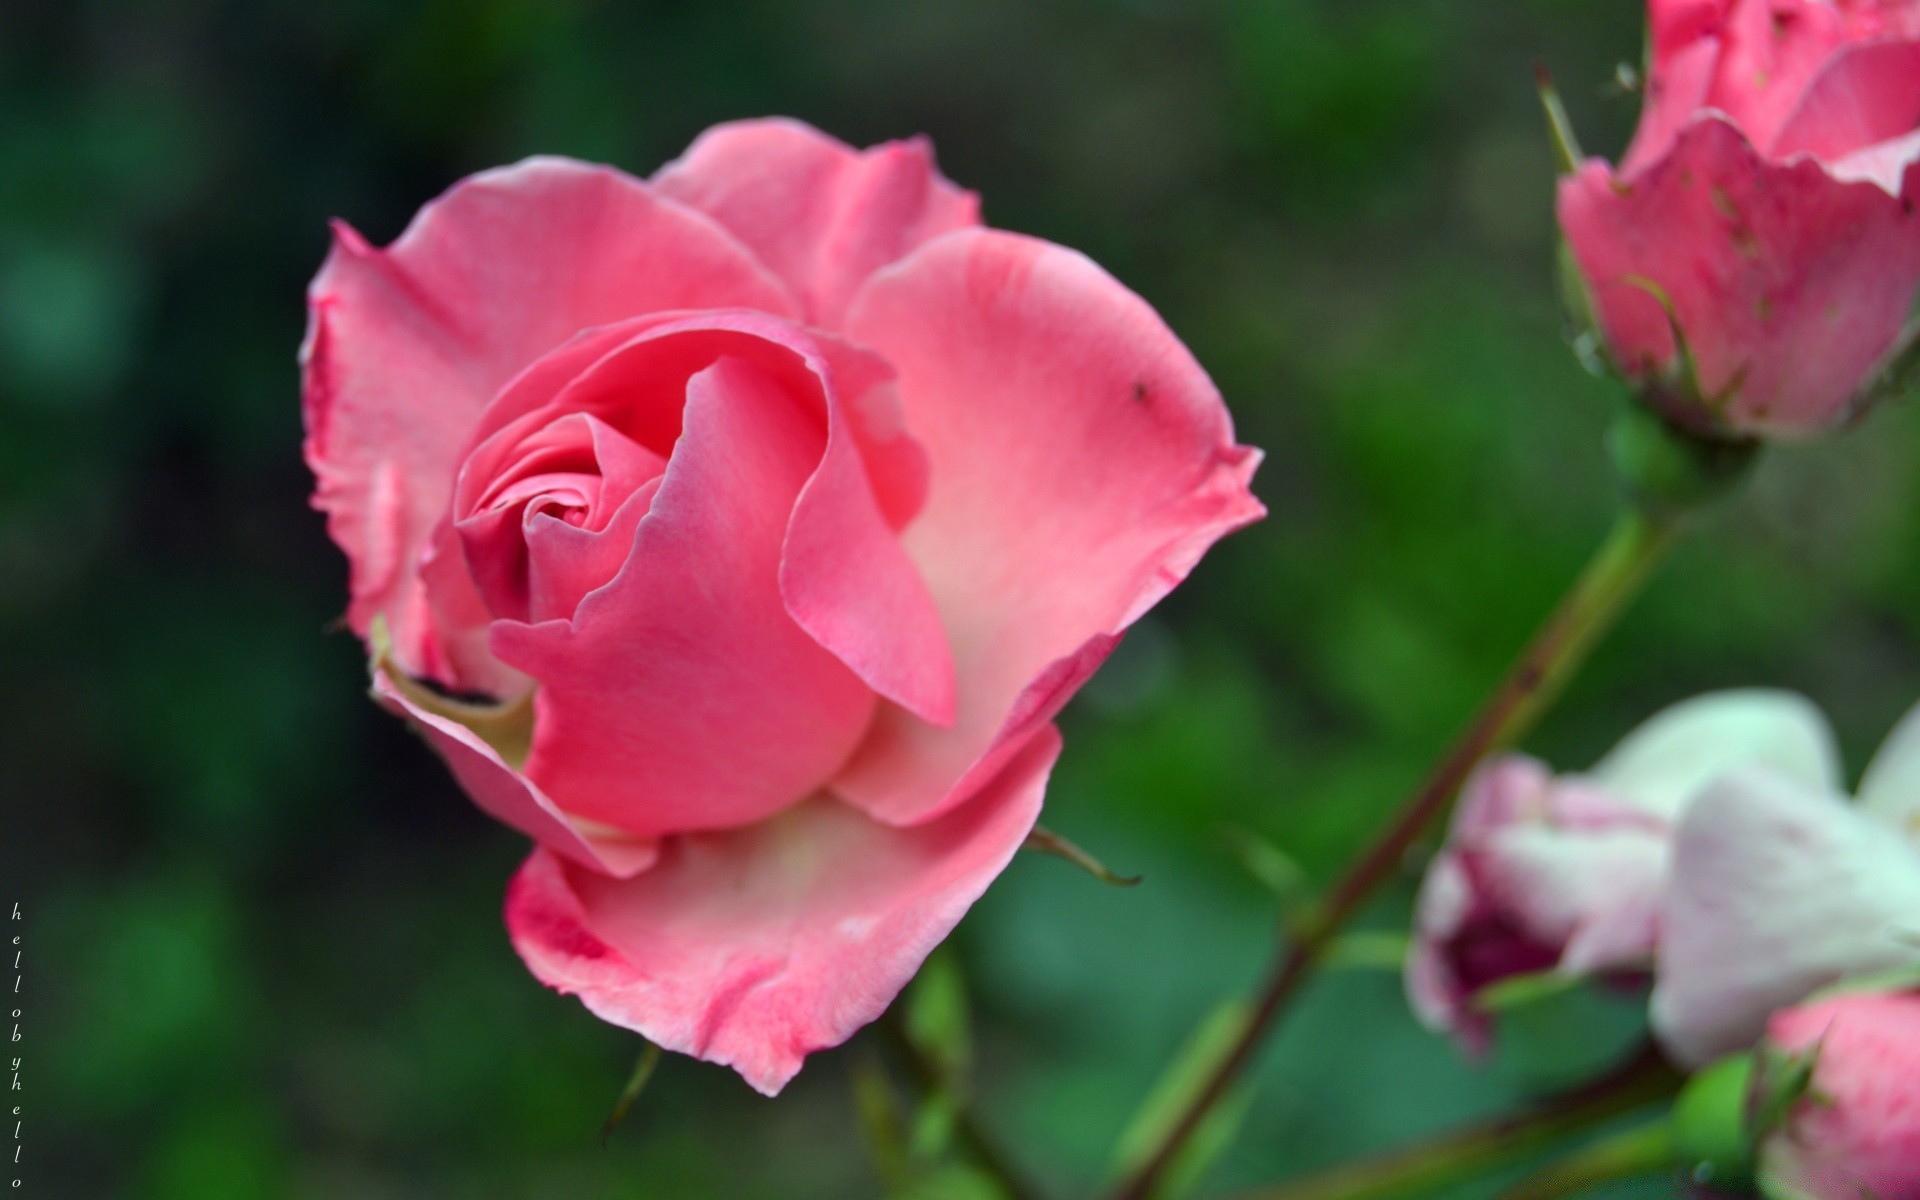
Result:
[
  {"x": 1854, "y": 1131},
  {"x": 737, "y": 535},
  {"x": 1565, "y": 874},
  {"x": 1766, "y": 208},
  {"x": 1782, "y": 886}
]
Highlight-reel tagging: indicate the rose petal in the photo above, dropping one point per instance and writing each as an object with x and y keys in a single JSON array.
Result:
[
  {"x": 1777, "y": 889},
  {"x": 1676, "y": 91},
  {"x": 510, "y": 798},
  {"x": 1770, "y": 50},
  {"x": 682, "y": 695},
  {"x": 756, "y": 947},
  {"x": 1081, "y": 464},
  {"x": 1790, "y": 284},
  {"x": 844, "y": 575},
  {"x": 1669, "y": 757},
  {"x": 1890, "y": 787},
  {"x": 823, "y": 215},
  {"x": 405, "y": 345},
  {"x": 1865, "y": 95}
]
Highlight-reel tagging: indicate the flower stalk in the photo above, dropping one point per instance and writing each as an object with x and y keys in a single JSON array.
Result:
[
  {"x": 1640, "y": 539},
  {"x": 1469, "y": 1153}
]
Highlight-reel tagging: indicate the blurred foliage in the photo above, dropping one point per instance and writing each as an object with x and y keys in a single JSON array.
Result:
[{"x": 266, "y": 957}]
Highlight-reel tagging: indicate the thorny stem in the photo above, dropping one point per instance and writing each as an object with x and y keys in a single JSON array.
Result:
[
  {"x": 1468, "y": 1153},
  {"x": 1618, "y": 570}
]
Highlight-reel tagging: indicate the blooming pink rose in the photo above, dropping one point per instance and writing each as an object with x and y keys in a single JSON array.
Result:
[
  {"x": 1766, "y": 208},
  {"x": 737, "y": 535},
  {"x": 1565, "y": 874},
  {"x": 1855, "y": 1130},
  {"x": 1782, "y": 886}
]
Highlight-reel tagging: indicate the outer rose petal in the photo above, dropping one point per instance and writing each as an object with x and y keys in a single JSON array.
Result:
[
  {"x": 1789, "y": 283},
  {"x": 406, "y": 345},
  {"x": 757, "y": 947},
  {"x": 1670, "y": 756},
  {"x": 682, "y": 695},
  {"x": 510, "y": 798},
  {"x": 1890, "y": 788},
  {"x": 1777, "y": 890},
  {"x": 820, "y": 213},
  {"x": 1082, "y": 463}
]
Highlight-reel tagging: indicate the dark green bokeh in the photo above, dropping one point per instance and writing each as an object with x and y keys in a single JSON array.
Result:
[{"x": 265, "y": 952}]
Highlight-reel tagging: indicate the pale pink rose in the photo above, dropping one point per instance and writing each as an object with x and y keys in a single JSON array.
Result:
[
  {"x": 1769, "y": 199},
  {"x": 737, "y": 535},
  {"x": 1782, "y": 886},
  {"x": 1855, "y": 1131},
  {"x": 1543, "y": 873}
]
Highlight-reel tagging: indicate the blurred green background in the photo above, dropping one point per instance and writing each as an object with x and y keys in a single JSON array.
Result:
[{"x": 265, "y": 956}]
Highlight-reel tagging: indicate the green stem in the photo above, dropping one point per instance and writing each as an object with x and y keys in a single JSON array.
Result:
[
  {"x": 1469, "y": 1153},
  {"x": 1629, "y": 1154},
  {"x": 980, "y": 1145},
  {"x": 1639, "y": 540}
]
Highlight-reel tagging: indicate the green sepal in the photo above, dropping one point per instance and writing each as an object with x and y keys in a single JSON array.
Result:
[
  {"x": 1712, "y": 1132},
  {"x": 1669, "y": 470},
  {"x": 1046, "y": 841}
]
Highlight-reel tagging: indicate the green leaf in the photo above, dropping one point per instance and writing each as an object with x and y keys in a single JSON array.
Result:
[
  {"x": 1516, "y": 991},
  {"x": 956, "y": 1181},
  {"x": 882, "y": 1123},
  {"x": 1366, "y": 950},
  {"x": 1205, "y": 1049},
  {"x": 937, "y": 1020},
  {"x": 1277, "y": 870}
]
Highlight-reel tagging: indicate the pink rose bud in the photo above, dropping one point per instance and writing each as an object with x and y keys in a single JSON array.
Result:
[
  {"x": 1543, "y": 873},
  {"x": 736, "y": 535},
  {"x": 1852, "y": 1129},
  {"x": 1763, "y": 220}
]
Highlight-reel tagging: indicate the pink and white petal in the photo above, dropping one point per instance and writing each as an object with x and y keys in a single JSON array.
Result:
[
  {"x": 512, "y": 799},
  {"x": 1499, "y": 793},
  {"x": 682, "y": 695},
  {"x": 754, "y": 948},
  {"x": 1777, "y": 890},
  {"x": 406, "y": 345},
  {"x": 1669, "y": 757},
  {"x": 1789, "y": 284},
  {"x": 1865, "y": 95},
  {"x": 1591, "y": 891},
  {"x": 823, "y": 215},
  {"x": 1890, "y": 788},
  {"x": 848, "y": 582},
  {"x": 844, "y": 575},
  {"x": 1676, "y": 91},
  {"x": 1082, "y": 463},
  {"x": 1771, "y": 50},
  {"x": 1886, "y": 165}
]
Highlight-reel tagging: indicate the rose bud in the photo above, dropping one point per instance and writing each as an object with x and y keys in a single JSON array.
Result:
[
  {"x": 1848, "y": 1123},
  {"x": 736, "y": 535},
  {"x": 1753, "y": 260},
  {"x": 1781, "y": 886},
  {"x": 1543, "y": 873}
]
